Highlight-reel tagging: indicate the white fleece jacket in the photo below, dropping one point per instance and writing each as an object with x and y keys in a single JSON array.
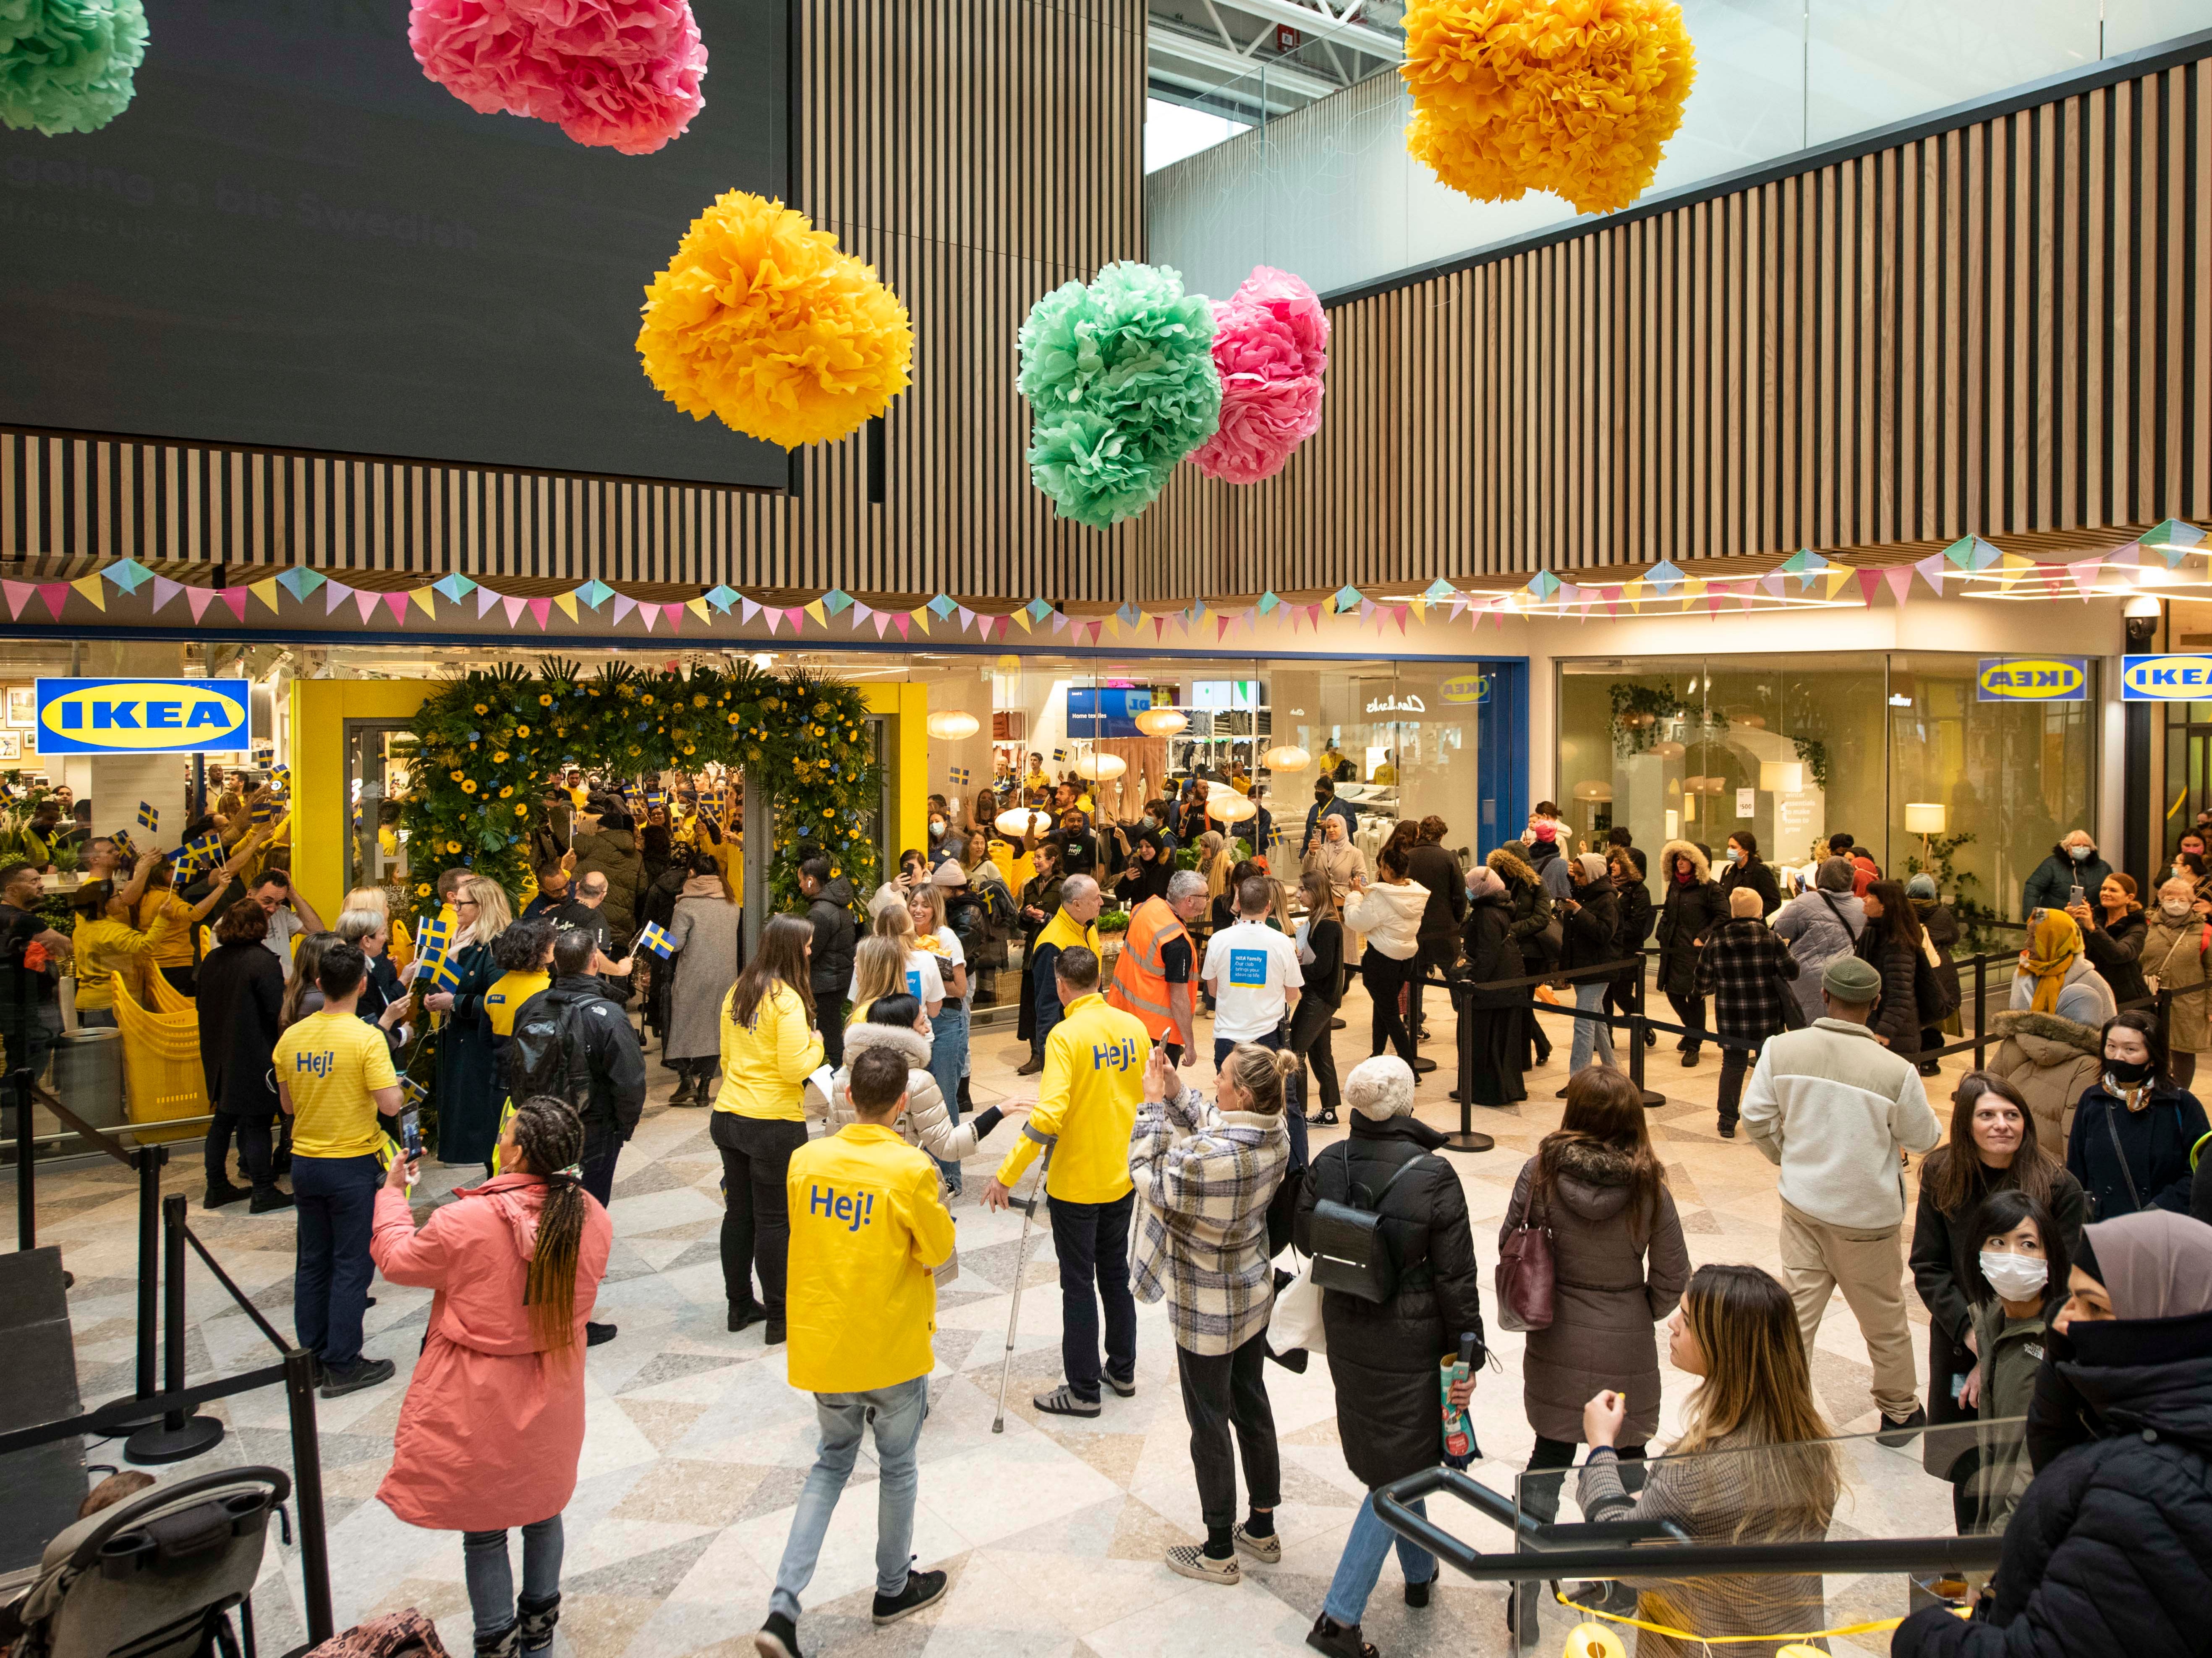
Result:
[
  {"x": 1834, "y": 1108},
  {"x": 1390, "y": 916}
]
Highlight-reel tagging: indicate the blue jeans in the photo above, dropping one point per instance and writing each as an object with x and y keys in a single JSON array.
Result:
[
  {"x": 336, "y": 1199},
  {"x": 899, "y": 1413},
  {"x": 491, "y": 1576},
  {"x": 1362, "y": 1562},
  {"x": 1294, "y": 1096},
  {"x": 1589, "y": 995},
  {"x": 1092, "y": 1242},
  {"x": 948, "y": 1059}
]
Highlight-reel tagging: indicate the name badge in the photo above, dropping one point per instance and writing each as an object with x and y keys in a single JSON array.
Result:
[{"x": 1247, "y": 967}]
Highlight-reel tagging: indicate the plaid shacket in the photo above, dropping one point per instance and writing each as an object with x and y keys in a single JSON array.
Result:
[
  {"x": 1204, "y": 1178},
  {"x": 1741, "y": 968}
]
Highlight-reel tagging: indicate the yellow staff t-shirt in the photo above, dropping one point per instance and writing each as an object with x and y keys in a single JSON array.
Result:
[
  {"x": 333, "y": 1064},
  {"x": 508, "y": 994}
]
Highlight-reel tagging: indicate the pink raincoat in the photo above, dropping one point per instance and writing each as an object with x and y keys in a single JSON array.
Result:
[{"x": 491, "y": 1427}]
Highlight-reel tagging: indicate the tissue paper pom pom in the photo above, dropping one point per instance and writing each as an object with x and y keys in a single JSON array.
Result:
[
  {"x": 760, "y": 321},
  {"x": 1271, "y": 348},
  {"x": 620, "y": 74},
  {"x": 1122, "y": 386},
  {"x": 66, "y": 65},
  {"x": 1572, "y": 97}
]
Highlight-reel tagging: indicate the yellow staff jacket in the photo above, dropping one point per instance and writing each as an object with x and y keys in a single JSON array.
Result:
[{"x": 1094, "y": 1080}]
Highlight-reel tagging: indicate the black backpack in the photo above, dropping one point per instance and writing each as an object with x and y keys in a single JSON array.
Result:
[
  {"x": 547, "y": 1054},
  {"x": 1351, "y": 1255}
]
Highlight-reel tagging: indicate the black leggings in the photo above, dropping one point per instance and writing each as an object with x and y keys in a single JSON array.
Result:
[
  {"x": 756, "y": 1220},
  {"x": 1309, "y": 1041},
  {"x": 1384, "y": 975}
]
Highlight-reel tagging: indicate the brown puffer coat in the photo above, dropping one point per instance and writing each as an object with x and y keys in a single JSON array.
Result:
[
  {"x": 2051, "y": 1061},
  {"x": 1618, "y": 1275},
  {"x": 2173, "y": 954}
]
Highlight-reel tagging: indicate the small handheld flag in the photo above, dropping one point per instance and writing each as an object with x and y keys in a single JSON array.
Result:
[
  {"x": 264, "y": 810},
  {"x": 203, "y": 852},
  {"x": 125, "y": 848},
  {"x": 654, "y": 939},
  {"x": 283, "y": 777},
  {"x": 148, "y": 818},
  {"x": 443, "y": 975},
  {"x": 960, "y": 776},
  {"x": 432, "y": 939}
]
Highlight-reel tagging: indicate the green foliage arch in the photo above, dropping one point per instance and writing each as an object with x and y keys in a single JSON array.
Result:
[{"x": 487, "y": 742}]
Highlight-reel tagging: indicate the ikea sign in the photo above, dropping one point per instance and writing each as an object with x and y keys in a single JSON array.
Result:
[
  {"x": 1467, "y": 687},
  {"x": 2033, "y": 679},
  {"x": 144, "y": 716},
  {"x": 2165, "y": 678}
]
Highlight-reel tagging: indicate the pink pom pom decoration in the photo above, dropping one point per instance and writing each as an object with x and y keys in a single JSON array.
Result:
[
  {"x": 1271, "y": 348},
  {"x": 619, "y": 74}
]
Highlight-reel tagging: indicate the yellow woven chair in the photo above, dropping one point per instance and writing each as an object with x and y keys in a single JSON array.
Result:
[
  {"x": 161, "y": 1075},
  {"x": 168, "y": 998}
]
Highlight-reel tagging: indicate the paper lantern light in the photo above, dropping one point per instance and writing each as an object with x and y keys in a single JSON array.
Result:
[
  {"x": 1162, "y": 722},
  {"x": 1022, "y": 821},
  {"x": 68, "y": 65},
  {"x": 1100, "y": 768},
  {"x": 1271, "y": 350},
  {"x": 1593, "y": 791},
  {"x": 1119, "y": 378},
  {"x": 1667, "y": 750},
  {"x": 760, "y": 322},
  {"x": 620, "y": 74},
  {"x": 952, "y": 725},
  {"x": 1288, "y": 757},
  {"x": 1515, "y": 95},
  {"x": 1227, "y": 806}
]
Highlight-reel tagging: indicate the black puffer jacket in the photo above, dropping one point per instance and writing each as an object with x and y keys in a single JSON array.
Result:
[
  {"x": 1637, "y": 916},
  {"x": 1532, "y": 909},
  {"x": 1382, "y": 1358},
  {"x": 1898, "y": 1015},
  {"x": 2111, "y": 1548},
  {"x": 836, "y": 936},
  {"x": 1758, "y": 877},
  {"x": 2116, "y": 949},
  {"x": 1688, "y": 914},
  {"x": 1588, "y": 931}
]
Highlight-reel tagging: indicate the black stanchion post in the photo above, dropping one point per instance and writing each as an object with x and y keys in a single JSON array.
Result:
[
  {"x": 1981, "y": 1009},
  {"x": 180, "y": 1435},
  {"x": 307, "y": 1488},
  {"x": 1637, "y": 1027},
  {"x": 1465, "y": 1140},
  {"x": 27, "y": 1178},
  {"x": 150, "y": 1158}
]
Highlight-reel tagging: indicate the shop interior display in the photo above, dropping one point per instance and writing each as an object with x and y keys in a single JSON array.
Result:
[{"x": 66, "y": 65}]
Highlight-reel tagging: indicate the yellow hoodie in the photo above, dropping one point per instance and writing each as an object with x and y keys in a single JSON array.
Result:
[
  {"x": 867, "y": 1231},
  {"x": 1094, "y": 1080},
  {"x": 765, "y": 1069}
]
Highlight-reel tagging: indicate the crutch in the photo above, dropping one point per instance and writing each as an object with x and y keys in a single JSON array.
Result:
[{"x": 1021, "y": 1254}]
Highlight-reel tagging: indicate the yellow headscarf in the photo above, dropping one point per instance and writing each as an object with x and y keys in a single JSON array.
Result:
[{"x": 2053, "y": 947}]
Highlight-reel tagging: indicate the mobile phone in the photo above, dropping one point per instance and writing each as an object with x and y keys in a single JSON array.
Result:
[
  {"x": 2074, "y": 894},
  {"x": 410, "y": 1132}
]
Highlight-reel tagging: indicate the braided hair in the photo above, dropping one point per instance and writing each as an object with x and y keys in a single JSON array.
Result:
[{"x": 549, "y": 1136}]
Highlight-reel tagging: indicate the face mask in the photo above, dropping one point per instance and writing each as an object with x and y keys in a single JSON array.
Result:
[
  {"x": 2080, "y": 854},
  {"x": 1735, "y": 854},
  {"x": 1321, "y": 797},
  {"x": 2176, "y": 907},
  {"x": 2130, "y": 1071},
  {"x": 2014, "y": 1277},
  {"x": 936, "y": 826}
]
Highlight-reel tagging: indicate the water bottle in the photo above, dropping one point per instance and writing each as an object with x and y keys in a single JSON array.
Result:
[{"x": 1460, "y": 1449}]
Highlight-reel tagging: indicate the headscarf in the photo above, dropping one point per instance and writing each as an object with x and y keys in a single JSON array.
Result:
[
  {"x": 2153, "y": 1264},
  {"x": 1922, "y": 886},
  {"x": 1594, "y": 867},
  {"x": 1482, "y": 882},
  {"x": 1834, "y": 875},
  {"x": 2053, "y": 949}
]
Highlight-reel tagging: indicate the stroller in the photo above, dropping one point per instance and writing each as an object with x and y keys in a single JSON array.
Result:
[{"x": 157, "y": 1575}]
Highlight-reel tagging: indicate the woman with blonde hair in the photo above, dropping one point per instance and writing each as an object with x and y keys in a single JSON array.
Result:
[
  {"x": 1771, "y": 1474},
  {"x": 948, "y": 1042},
  {"x": 919, "y": 976},
  {"x": 467, "y": 1089}
]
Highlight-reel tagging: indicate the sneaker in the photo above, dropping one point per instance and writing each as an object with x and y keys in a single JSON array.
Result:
[
  {"x": 598, "y": 1335},
  {"x": 1900, "y": 1430},
  {"x": 923, "y": 1589},
  {"x": 219, "y": 1196},
  {"x": 1326, "y": 1117},
  {"x": 1064, "y": 1401},
  {"x": 364, "y": 1373},
  {"x": 777, "y": 1639},
  {"x": 1189, "y": 1560},
  {"x": 1417, "y": 1594},
  {"x": 270, "y": 1201},
  {"x": 1337, "y": 1640},
  {"x": 1127, "y": 1389},
  {"x": 1267, "y": 1550}
]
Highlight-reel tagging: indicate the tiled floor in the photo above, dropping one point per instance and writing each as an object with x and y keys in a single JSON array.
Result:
[{"x": 697, "y": 1446}]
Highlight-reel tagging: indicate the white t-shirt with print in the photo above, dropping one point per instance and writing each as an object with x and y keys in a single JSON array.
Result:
[
  {"x": 923, "y": 981},
  {"x": 1249, "y": 966}
]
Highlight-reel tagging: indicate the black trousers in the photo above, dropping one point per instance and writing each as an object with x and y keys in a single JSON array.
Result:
[
  {"x": 829, "y": 1013},
  {"x": 1309, "y": 1041},
  {"x": 1735, "y": 1064},
  {"x": 755, "y": 1221},
  {"x": 1221, "y": 1391},
  {"x": 183, "y": 980},
  {"x": 1092, "y": 1242},
  {"x": 1437, "y": 954},
  {"x": 599, "y": 1169},
  {"x": 1384, "y": 975},
  {"x": 1690, "y": 1011},
  {"x": 1541, "y": 1496},
  {"x": 255, "y": 1149}
]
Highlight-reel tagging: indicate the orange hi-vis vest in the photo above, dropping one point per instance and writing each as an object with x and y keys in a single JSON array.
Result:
[{"x": 1141, "y": 976}]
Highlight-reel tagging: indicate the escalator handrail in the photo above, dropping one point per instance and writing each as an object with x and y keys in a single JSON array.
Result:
[{"x": 1603, "y": 1549}]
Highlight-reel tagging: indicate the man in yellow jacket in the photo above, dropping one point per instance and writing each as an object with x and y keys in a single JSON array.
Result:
[
  {"x": 1086, "y": 1108},
  {"x": 868, "y": 1233},
  {"x": 1075, "y": 922}
]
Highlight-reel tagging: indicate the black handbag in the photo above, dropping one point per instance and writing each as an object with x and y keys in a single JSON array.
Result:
[{"x": 1349, "y": 1253}]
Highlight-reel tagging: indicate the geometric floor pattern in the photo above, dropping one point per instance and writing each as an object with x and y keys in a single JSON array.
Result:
[{"x": 696, "y": 1445}]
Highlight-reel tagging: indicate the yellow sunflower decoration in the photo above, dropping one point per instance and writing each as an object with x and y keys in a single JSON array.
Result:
[
  {"x": 760, "y": 321},
  {"x": 1576, "y": 97}
]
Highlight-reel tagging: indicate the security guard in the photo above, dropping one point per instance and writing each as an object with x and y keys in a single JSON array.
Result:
[
  {"x": 868, "y": 1233},
  {"x": 1094, "y": 1080},
  {"x": 1153, "y": 980}
]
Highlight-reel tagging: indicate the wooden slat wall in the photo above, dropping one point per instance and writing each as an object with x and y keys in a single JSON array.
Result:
[
  {"x": 2002, "y": 329},
  {"x": 976, "y": 152}
]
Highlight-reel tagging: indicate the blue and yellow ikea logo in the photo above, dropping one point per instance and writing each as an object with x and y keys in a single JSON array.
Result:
[
  {"x": 1467, "y": 687},
  {"x": 2033, "y": 679},
  {"x": 2165, "y": 678},
  {"x": 144, "y": 716}
]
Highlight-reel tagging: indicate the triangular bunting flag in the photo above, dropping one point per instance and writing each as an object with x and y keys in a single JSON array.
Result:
[
  {"x": 397, "y": 604},
  {"x": 920, "y": 618},
  {"x": 423, "y": 600},
  {"x": 595, "y": 593},
  {"x": 836, "y": 601},
  {"x": 904, "y": 621},
  {"x": 623, "y": 606},
  {"x": 746, "y": 610},
  {"x": 2084, "y": 572},
  {"x": 129, "y": 574},
  {"x": 797, "y": 617},
  {"x": 266, "y": 590},
  {"x": 1900, "y": 582},
  {"x": 164, "y": 591},
  {"x": 54, "y": 595},
  {"x": 1022, "y": 615},
  {"x": 1663, "y": 576},
  {"x": 941, "y": 607},
  {"x": 454, "y": 588},
  {"x": 196, "y": 599},
  {"x": 965, "y": 614},
  {"x": 859, "y": 614},
  {"x": 721, "y": 598},
  {"x": 698, "y": 608},
  {"x": 91, "y": 588},
  {"x": 883, "y": 620},
  {"x": 2010, "y": 568},
  {"x": 18, "y": 594},
  {"x": 297, "y": 582},
  {"x": 674, "y": 614},
  {"x": 235, "y": 598},
  {"x": 1870, "y": 583},
  {"x": 1931, "y": 570},
  {"x": 820, "y": 610},
  {"x": 513, "y": 604},
  {"x": 365, "y": 602},
  {"x": 543, "y": 610},
  {"x": 335, "y": 593},
  {"x": 649, "y": 615},
  {"x": 485, "y": 599},
  {"x": 1837, "y": 577}
]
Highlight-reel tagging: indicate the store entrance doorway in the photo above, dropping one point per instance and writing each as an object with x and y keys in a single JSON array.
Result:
[{"x": 377, "y": 755}]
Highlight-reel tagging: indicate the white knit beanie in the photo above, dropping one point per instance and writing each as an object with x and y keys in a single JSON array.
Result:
[{"x": 1381, "y": 1088}]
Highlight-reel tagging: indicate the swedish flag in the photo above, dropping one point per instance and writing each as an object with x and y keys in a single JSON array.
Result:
[
  {"x": 264, "y": 809},
  {"x": 654, "y": 939},
  {"x": 148, "y": 818},
  {"x": 432, "y": 939},
  {"x": 195, "y": 855}
]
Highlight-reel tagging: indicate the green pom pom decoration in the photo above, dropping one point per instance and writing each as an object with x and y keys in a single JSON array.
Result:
[
  {"x": 1120, "y": 378},
  {"x": 66, "y": 65}
]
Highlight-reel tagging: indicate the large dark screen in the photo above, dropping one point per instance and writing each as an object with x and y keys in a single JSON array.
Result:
[{"x": 293, "y": 238}]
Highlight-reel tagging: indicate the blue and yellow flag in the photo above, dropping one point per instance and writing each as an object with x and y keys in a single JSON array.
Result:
[
  {"x": 654, "y": 939},
  {"x": 148, "y": 818}
]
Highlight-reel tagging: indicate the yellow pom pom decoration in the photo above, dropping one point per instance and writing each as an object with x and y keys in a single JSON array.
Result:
[
  {"x": 761, "y": 321},
  {"x": 1573, "y": 96}
]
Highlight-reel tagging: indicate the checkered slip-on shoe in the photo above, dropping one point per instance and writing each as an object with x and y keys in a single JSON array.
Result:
[
  {"x": 1189, "y": 1560},
  {"x": 1267, "y": 1550}
]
